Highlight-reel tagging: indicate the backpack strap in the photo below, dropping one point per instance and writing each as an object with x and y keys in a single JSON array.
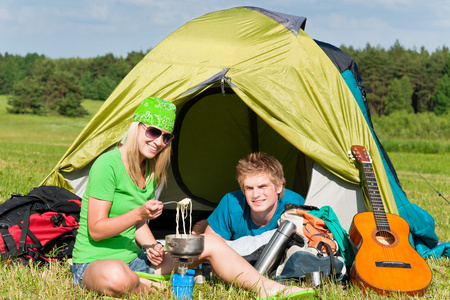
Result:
[
  {"x": 27, "y": 232},
  {"x": 332, "y": 259},
  {"x": 24, "y": 226},
  {"x": 9, "y": 244},
  {"x": 58, "y": 219},
  {"x": 57, "y": 199}
]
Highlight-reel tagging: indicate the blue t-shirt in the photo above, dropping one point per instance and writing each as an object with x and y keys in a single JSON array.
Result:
[{"x": 231, "y": 218}]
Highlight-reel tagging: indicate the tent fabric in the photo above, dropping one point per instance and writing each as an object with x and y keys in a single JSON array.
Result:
[
  {"x": 243, "y": 79},
  {"x": 292, "y": 23},
  {"x": 420, "y": 222},
  {"x": 328, "y": 190},
  {"x": 344, "y": 63}
]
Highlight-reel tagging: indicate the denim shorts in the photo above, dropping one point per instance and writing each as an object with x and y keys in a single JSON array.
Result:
[{"x": 139, "y": 264}]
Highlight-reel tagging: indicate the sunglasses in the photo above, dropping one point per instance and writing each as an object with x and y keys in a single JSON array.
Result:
[{"x": 154, "y": 133}]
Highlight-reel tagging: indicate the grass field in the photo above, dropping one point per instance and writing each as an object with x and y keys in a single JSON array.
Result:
[{"x": 30, "y": 146}]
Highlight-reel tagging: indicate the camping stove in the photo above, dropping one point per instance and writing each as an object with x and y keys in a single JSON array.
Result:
[
  {"x": 183, "y": 264},
  {"x": 184, "y": 248}
]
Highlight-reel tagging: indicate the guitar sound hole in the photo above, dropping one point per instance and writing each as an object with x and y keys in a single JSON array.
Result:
[{"x": 385, "y": 237}]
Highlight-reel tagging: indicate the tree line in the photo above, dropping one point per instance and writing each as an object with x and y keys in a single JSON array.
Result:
[
  {"x": 39, "y": 85},
  {"x": 400, "y": 79},
  {"x": 396, "y": 79}
]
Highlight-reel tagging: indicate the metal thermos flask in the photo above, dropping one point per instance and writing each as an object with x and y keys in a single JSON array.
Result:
[{"x": 273, "y": 251}]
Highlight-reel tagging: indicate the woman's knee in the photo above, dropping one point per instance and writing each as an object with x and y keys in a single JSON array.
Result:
[
  {"x": 123, "y": 282},
  {"x": 110, "y": 278}
]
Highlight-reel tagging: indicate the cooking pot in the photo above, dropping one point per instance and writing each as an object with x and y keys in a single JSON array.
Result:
[{"x": 185, "y": 245}]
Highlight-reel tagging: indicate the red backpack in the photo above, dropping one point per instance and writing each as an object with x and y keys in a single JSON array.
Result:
[{"x": 40, "y": 226}]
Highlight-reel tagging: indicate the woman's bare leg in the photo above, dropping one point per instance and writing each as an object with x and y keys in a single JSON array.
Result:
[
  {"x": 232, "y": 268},
  {"x": 113, "y": 277}
]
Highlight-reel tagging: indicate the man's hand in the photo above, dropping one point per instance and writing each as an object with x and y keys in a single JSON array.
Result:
[{"x": 199, "y": 227}]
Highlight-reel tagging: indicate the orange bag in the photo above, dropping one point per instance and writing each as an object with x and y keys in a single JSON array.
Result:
[{"x": 312, "y": 230}]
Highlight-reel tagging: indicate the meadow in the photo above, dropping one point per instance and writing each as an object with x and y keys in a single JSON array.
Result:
[{"x": 30, "y": 146}]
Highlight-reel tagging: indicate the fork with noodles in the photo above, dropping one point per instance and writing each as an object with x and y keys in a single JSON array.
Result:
[{"x": 182, "y": 207}]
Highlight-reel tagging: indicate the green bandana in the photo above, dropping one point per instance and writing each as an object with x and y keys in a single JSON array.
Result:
[{"x": 156, "y": 112}]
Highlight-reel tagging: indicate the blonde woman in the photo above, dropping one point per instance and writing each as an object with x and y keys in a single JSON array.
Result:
[{"x": 116, "y": 207}]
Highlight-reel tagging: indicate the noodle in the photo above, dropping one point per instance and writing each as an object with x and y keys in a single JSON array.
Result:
[{"x": 182, "y": 207}]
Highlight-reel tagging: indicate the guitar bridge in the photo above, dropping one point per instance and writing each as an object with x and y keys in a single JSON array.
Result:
[{"x": 392, "y": 264}]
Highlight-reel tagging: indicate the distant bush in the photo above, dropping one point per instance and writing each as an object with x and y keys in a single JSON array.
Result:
[
  {"x": 415, "y": 146},
  {"x": 418, "y": 133},
  {"x": 402, "y": 125}
]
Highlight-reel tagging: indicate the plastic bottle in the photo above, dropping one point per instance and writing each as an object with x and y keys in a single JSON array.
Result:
[
  {"x": 182, "y": 285},
  {"x": 199, "y": 278}
]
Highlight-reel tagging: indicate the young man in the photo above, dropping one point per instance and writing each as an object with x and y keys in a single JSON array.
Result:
[{"x": 259, "y": 204}]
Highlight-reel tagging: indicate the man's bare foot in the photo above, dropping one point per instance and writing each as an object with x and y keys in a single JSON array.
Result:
[{"x": 291, "y": 292}]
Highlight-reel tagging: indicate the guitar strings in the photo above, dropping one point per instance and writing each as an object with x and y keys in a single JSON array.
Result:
[{"x": 378, "y": 212}]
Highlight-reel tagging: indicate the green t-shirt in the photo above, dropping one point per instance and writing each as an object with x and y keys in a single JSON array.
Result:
[{"x": 109, "y": 181}]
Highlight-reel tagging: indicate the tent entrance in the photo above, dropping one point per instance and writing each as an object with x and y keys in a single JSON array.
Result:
[{"x": 213, "y": 131}]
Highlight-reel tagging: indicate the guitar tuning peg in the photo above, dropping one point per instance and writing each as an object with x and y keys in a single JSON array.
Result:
[{"x": 350, "y": 155}]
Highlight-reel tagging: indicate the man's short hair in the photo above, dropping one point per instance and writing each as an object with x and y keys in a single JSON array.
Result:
[{"x": 260, "y": 162}]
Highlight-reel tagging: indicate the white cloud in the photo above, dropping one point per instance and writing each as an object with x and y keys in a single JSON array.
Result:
[
  {"x": 95, "y": 27},
  {"x": 4, "y": 14}
]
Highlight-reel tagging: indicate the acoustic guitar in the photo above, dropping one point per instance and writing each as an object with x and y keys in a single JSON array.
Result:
[{"x": 385, "y": 262}]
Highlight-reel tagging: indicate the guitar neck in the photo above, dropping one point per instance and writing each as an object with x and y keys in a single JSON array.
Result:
[{"x": 375, "y": 198}]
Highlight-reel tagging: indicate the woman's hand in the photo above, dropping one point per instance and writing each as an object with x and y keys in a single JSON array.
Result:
[
  {"x": 155, "y": 254},
  {"x": 150, "y": 210}
]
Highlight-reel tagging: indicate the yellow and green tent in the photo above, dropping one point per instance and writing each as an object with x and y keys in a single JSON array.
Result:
[{"x": 247, "y": 79}]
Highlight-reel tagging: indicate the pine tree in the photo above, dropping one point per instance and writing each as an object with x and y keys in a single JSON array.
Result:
[
  {"x": 399, "y": 98},
  {"x": 442, "y": 96}
]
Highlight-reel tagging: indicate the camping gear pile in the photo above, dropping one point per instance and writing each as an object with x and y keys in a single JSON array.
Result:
[{"x": 314, "y": 247}]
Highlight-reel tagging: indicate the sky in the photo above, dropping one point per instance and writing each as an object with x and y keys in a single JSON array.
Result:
[{"x": 91, "y": 28}]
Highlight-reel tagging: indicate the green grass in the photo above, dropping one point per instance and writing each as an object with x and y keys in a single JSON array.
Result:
[
  {"x": 30, "y": 146},
  {"x": 435, "y": 170},
  {"x": 418, "y": 146}
]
